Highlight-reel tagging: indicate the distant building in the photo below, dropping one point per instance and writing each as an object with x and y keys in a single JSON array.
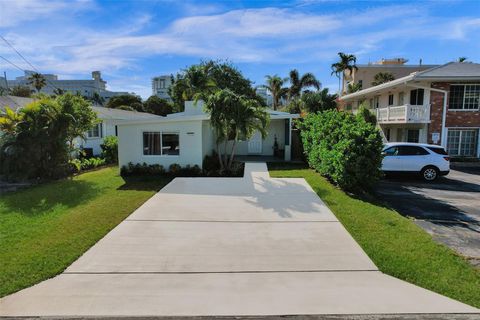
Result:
[
  {"x": 3, "y": 83},
  {"x": 366, "y": 72},
  {"x": 85, "y": 87},
  {"x": 267, "y": 97},
  {"x": 160, "y": 86}
]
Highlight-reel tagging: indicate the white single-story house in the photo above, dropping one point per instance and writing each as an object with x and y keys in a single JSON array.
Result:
[
  {"x": 185, "y": 138},
  {"x": 107, "y": 127}
]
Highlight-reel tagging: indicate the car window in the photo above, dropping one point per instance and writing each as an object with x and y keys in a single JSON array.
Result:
[
  {"x": 411, "y": 151},
  {"x": 392, "y": 151},
  {"x": 438, "y": 150}
]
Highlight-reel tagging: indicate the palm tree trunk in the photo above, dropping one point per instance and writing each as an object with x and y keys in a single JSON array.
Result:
[
  {"x": 219, "y": 154},
  {"x": 230, "y": 162}
]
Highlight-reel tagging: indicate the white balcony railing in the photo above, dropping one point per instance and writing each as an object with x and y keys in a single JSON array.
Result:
[{"x": 404, "y": 114}]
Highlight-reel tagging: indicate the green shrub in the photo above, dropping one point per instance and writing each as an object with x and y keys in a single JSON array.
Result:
[
  {"x": 211, "y": 162},
  {"x": 110, "y": 149},
  {"x": 344, "y": 148},
  {"x": 78, "y": 165},
  {"x": 174, "y": 169}
]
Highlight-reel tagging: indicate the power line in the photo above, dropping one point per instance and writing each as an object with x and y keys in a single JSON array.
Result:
[
  {"x": 28, "y": 62},
  {"x": 13, "y": 64}
]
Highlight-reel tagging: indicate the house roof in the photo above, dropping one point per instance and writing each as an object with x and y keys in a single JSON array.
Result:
[
  {"x": 13, "y": 102},
  {"x": 118, "y": 114},
  {"x": 452, "y": 71}
]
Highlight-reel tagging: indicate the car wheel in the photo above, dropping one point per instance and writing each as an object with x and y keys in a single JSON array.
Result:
[{"x": 429, "y": 173}]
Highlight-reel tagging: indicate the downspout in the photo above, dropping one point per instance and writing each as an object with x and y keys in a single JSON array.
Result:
[{"x": 443, "y": 136}]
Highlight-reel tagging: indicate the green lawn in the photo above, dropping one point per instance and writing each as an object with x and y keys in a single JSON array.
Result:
[
  {"x": 396, "y": 245},
  {"x": 45, "y": 228}
]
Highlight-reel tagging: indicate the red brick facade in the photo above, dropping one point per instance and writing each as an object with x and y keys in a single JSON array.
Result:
[{"x": 465, "y": 119}]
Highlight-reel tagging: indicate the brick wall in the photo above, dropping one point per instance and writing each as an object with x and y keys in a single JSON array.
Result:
[{"x": 453, "y": 119}]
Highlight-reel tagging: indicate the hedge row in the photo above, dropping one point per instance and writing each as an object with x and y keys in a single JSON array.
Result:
[{"x": 343, "y": 147}]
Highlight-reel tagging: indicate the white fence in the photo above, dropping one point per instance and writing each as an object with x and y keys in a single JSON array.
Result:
[{"x": 404, "y": 114}]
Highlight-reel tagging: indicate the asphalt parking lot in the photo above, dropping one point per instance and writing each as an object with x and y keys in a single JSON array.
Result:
[{"x": 448, "y": 209}]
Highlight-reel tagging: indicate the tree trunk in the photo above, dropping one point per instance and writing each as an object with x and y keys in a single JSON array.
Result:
[
  {"x": 225, "y": 156},
  {"x": 219, "y": 154},
  {"x": 232, "y": 153}
]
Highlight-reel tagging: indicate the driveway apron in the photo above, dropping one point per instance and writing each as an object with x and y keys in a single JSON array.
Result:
[{"x": 227, "y": 246}]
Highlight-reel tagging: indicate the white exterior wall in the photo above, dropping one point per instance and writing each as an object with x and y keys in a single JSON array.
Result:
[
  {"x": 108, "y": 129},
  {"x": 276, "y": 127},
  {"x": 208, "y": 139},
  {"x": 130, "y": 144}
]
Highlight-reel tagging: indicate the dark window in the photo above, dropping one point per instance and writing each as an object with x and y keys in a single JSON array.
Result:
[
  {"x": 438, "y": 150},
  {"x": 151, "y": 143},
  {"x": 416, "y": 97},
  {"x": 412, "y": 151},
  {"x": 465, "y": 97},
  {"x": 413, "y": 136},
  {"x": 390, "y": 99},
  {"x": 387, "y": 134},
  {"x": 170, "y": 144},
  {"x": 392, "y": 151},
  {"x": 116, "y": 131}
]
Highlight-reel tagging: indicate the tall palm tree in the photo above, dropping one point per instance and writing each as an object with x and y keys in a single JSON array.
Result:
[
  {"x": 297, "y": 83},
  {"x": 37, "y": 80},
  {"x": 382, "y": 77},
  {"x": 346, "y": 62},
  {"x": 233, "y": 116},
  {"x": 275, "y": 86}
]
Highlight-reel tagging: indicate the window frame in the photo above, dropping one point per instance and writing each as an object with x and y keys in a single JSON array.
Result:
[
  {"x": 463, "y": 98},
  {"x": 417, "y": 96},
  {"x": 459, "y": 141},
  {"x": 99, "y": 126},
  {"x": 391, "y": 97},
  {"x": 161, "y": 133}
]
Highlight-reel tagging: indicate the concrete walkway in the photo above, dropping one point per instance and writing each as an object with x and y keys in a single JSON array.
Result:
[{"x": 227, "y": 246}]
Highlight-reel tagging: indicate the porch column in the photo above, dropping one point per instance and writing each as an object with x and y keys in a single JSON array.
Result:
[{"x": 288, "y": 139}]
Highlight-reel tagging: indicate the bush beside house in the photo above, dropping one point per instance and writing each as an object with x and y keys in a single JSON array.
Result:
[{"x": 343, "y": 147}]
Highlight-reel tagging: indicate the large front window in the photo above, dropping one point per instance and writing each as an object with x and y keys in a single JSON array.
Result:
[
  {"x": 462, "y": 142},
  {"x": 464, "y": 97},
  {"x": 161, "y": 143},
  {"x": 416, "y": 97}
]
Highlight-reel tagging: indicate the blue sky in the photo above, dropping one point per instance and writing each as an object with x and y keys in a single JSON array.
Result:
[{"x": 130, "y": 42}]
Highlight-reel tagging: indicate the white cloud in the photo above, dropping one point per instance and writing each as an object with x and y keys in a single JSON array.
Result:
[{"x": 265, "y": 35}]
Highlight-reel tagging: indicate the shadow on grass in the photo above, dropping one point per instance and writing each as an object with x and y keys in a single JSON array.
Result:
[
  {"x": 145, "y": 183},
  {"x": 286, "y": 165},
  {"x": 43, "y": 198}
]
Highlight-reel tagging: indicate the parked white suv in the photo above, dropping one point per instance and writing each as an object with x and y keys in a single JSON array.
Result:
[{"x": 429, "y": 160}]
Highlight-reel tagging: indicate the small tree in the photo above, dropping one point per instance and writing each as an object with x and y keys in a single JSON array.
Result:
[
  {"x": 21, "y": 91},
  {"x": 110, "y": 149},
  {"x": 232, "y": 116},
  {"x": 37, "y": 81},
  {"x": 158, "y": 106},
  {"x": 319, "y": 101}
]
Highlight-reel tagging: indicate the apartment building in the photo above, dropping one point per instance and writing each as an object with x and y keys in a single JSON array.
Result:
[
  {"x": 160, "y": 86},
  {"x": 85, "y": 87},
  {"x": 440, "y": 105},
  {"x": 365, "y": 74}
]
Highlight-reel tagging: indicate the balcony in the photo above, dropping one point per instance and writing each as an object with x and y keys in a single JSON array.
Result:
[{"x": 404, "y": 114}]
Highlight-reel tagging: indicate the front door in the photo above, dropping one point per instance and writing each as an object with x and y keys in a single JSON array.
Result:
[{"x": 255, "y": 143}]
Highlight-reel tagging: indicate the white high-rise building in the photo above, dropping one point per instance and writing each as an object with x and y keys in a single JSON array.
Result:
[
  {"x": 267, "y": 97},
  {"x": 160, "y": 86},
  {"x": 84, "y": 87}
]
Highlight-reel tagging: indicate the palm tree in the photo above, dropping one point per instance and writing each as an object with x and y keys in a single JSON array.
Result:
[
  {"x": 297, "y": 83},
  {"x": 37, "y": 80},
  {"x": 275, "y": 86},
  {"x": 382, "y": 77},
  {"x": 233, "y": 116},
  {"x": 98, "y": 99},
  {"x": 319, "y": 101},
  {"x": 346, "y": 62},
  {"x": 462, "y": 59}
]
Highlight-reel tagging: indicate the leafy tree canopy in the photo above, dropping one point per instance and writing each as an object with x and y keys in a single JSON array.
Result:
[
  {"x": 158, "y": 106},
  {"x": 134, "y": 102},
  {"x": 382, "y": 77},
  {"x": 21, "y": 91}
]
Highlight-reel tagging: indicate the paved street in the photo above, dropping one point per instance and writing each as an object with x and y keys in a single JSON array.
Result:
[
  {"x": 449, "y": 208},
  {"x": 227, "y": 246}
]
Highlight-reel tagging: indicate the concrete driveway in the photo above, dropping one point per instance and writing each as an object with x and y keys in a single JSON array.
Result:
[
  {"x": 227, "y": 246},
  {"x": 449, "y": 208}
]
